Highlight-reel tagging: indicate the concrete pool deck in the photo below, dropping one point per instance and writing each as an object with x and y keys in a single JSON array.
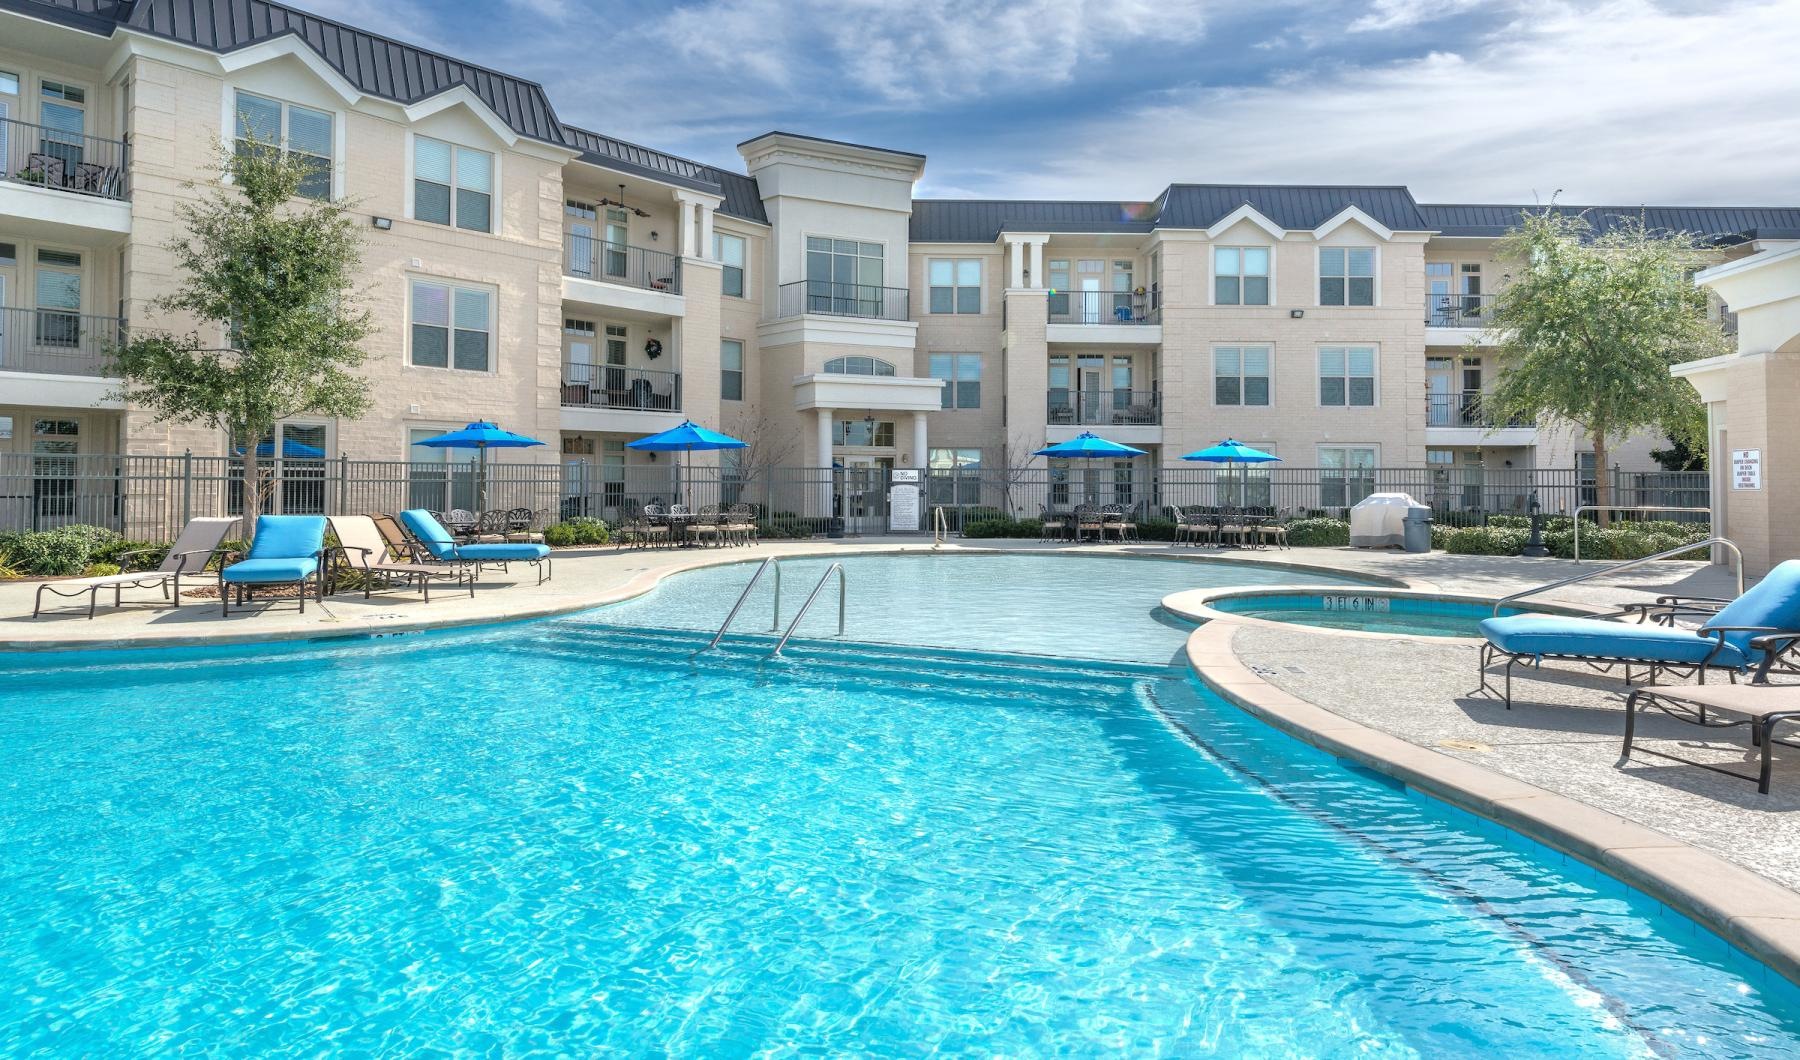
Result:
[{"x": 1709, "y": 846}]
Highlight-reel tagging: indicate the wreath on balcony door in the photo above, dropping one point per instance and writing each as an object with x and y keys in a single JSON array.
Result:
[{"x": 653, "y": 348}]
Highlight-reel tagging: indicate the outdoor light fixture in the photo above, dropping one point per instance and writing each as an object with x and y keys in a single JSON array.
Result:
[
  {"x": 1296, "y": 313},
  {"x": 383, "y": 223}
]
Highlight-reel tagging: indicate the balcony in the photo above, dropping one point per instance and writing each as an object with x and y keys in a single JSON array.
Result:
[
  {"x": 52, "y": 342},
  {"x": 596, "y": 259},
  {"x": 1102, "y": 307},
  {"x": 1458, "y": 310},
  {"x": 1112, "y": 408},
  {"x": 607, "y": 386},
  {"x": 828, "y": 298},
  {"x": 1457, "y": 418},
  {"x": 68, "y": 162}
]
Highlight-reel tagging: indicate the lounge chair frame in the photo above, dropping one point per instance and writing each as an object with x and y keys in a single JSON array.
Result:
[
  {"x": 1762, "y": 727},
  {"x": 423, "y": 554},
  {"x": 413, "y": 574},
  {"x": 246, "y": 591},
  {"x": 1606, "y": 663},
  {"x": 160, "y": 578}
]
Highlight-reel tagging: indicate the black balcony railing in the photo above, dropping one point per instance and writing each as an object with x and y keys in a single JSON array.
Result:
[
  {"x": 1463, "y": 409},
  {"x": 64, "y": 161},
  {"x": 611, "y": 386},
  {"x": 1136, "y": 408},
  {"x": 843, "y": 300},
  {"x": 1102, "y": 307},
  {"x": 53, "y": 342},
  {"x": 596, "y": 259},
  {"x": 1457, "y": 310}
]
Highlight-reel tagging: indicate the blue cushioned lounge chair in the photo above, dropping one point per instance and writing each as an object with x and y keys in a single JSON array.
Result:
[
  {"x": 442, "y": 546},
  {"x": 288, "y": 550},
  {"x": 1726, "y": 642}
]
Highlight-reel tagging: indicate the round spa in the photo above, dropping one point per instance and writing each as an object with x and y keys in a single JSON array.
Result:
[{"x": 1363, "y": 610}]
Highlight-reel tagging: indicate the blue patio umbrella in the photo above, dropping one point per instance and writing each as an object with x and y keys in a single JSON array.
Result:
[
  {"x": 480, "y": 436},
  {"x": 1231, "y": 451},
  {"x": 1089, "y": 446},
  {"x": 688, "y": 437}
]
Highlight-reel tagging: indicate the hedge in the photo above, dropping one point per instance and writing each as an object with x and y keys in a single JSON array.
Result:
[
  {"x": 1318, "y": 533},
  {"x": 580, "y": 530}
]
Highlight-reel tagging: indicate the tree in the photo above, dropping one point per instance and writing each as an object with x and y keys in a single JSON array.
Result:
[
  {"x": 1588, "y": 330},
  {"x": 1679, "y": 456},
  {"x": 273, "y": 274}
]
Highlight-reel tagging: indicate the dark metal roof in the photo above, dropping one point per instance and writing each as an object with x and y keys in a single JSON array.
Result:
[
  {"x": 982, "y": 220},
  {"x": 1717, "y": 223},
  {"x": 742, "y": 199},
  {"x": 1181, "y": 206}
]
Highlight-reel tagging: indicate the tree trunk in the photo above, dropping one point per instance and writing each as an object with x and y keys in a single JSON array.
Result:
[
  {"x": 1602, "y": 480},
  {"x": 252, "y": 492}
]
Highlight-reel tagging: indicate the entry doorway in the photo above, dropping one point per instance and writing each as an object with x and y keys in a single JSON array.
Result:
[{"x": 863, "y": 483}]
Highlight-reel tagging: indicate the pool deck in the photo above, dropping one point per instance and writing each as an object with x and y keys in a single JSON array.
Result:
[{"x": 1709, "y": 846}]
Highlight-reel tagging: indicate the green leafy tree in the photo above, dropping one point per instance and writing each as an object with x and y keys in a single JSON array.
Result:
[
  {"x": 273, "y": 274},
  {"x": 1588, "y": 330}
]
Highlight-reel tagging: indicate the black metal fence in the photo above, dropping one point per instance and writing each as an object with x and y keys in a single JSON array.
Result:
[
  {"x": 64, "y": 160},
  {"x": 1102, "y": 307},
  {"x": 597, "y": 259},
  {"x": 151, "y": 497},
  {"x": 586, "y": 385},
  {"x": 830, "y": 298},
  {"x": 56, "y": 341}
]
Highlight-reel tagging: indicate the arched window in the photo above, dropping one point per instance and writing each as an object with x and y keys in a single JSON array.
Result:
[{"x": 858, "y": 366}]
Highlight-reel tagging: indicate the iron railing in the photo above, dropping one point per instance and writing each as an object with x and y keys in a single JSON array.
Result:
[
  {"x": 1111, "y": 407},
  {"x": 828, "y": 298},
  {"x": 55, "y": 342},
  {"x": 610, "y": 386},
  {"x": 1102, "y": 307},
  {"x": 1457, "y": 310},
  {"x": 1464, "y": 409},
  {"x": 588, "y": 258},
  {"x": 64, "y": 161}
]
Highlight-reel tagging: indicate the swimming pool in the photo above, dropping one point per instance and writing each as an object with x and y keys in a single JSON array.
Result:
[
  {"x": 1370, "y": 612},
  {"x": 570, "y": 836}
]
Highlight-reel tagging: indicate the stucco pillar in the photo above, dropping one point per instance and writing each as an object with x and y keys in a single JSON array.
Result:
[
  {"x": 919, "y": 452},
  {"x": 684, "y": 226},
  {"x": 1037, "y": 264},
  {"x": 1016, "y": 252},
  {"x": 824, "y": 461}
]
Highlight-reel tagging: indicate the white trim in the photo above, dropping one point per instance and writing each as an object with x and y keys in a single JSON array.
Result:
[
  {"x": 1249, "y": 213},
  {"x": 1212, "y": 379},
  {"x": 493, "y": 293},
  {"x": 1353, "y": 213},
  {"x": 1319, "y": 275},
  {"x": 1212, "y": 276},
  {"x": 981, "y": 298},
  {"x": 288, "y": 46},
  {"x": 462, "y": 95},
  {"x": 228, "y": 130},
  {"x": 1375, "y": 362},
  {"x": 494, "y": 197}
]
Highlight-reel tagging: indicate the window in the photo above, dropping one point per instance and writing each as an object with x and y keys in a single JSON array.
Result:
[
  {"x": 450, "y": 483},
  {"x": 1122, "y": 309},
  {"x": 955, "y": 285},
  {"x": 858, "y": 366},
  {"x": 1058, "y": 281},
  {"x": 954, "y": 476},
  {"x": 452, "y": 327},
  {"x": 1346, "y": 275},
  {"x": 843, "y": 276},
  {"x": 860, "y": 432},
  {"x": 1346, "y": 475},
  {"x": 1155, "y": 276},
  {"x": 729, "y": 249},
  {"x": 1346, "y": 375},
  {"x": 302, "y": 132},
  {"x": 62, "y": 111},
  {"x": 731, "y": 369},
  {"x": 1247, "y": 485},
  {"x": 961, "y": 373},
  {"x": 1240, "y": 275},
  {"x": 1240, "y": 375},
  {"x": 9, "y": 83},
  {"x": 58, "y": 298},
  {"x": 452, "y": 185}
]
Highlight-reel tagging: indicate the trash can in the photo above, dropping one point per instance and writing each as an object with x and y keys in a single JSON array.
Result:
[
  {"x": 1416, "y": 530},
  {"x": 835, "y": 529}
]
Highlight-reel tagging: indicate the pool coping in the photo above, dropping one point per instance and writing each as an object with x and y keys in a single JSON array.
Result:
[
  {"x": 1195, "y": 605},
  {"x": 1753, "y": 913}
]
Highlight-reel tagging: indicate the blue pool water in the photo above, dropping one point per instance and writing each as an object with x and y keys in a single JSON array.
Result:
[
  {"x": 566, "y": 836},
  {"x": 1373, "y": 612}
]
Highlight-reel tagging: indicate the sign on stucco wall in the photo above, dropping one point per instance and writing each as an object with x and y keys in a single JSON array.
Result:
[{"x": 1746, "y": 469}]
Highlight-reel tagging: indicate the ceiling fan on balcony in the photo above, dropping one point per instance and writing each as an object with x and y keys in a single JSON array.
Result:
[{"x": 620, "y": 203}]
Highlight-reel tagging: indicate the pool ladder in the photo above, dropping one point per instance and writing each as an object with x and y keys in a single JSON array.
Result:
[{"x": 775, "y": 616}]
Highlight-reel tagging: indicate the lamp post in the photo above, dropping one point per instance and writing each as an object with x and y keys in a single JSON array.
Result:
[{"x": 1535, "y": 546}]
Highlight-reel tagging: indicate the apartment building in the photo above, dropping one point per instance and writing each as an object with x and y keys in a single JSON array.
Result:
[{"x": 573, "y": 286}]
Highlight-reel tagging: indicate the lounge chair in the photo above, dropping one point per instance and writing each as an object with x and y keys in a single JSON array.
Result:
[
  {"x": 436, "y": 540},
  {"x": 192, "y": 551},
  {"x": 1728, "y": 640},
  {"x": 288, "y": 550},
  {"x": 1760, "y": 705},
  {"x": 363, "y": 549}
]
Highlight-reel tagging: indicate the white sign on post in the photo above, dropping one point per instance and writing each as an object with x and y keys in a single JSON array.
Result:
[
  {"x": 1746, "y": 469},
  {"x": 903, "y": 505}
]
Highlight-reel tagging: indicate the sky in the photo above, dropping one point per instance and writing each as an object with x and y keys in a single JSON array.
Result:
[{"x": 1619, "y": 102}]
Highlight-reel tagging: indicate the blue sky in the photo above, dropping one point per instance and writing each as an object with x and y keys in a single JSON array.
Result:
[{"x": 1619, "y": 102}]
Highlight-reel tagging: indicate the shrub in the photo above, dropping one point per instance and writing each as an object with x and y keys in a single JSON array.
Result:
[
  {"x": 1440, "y": 536},
  {"x": 1486, "y": 541},
  {"x": 57, "y": 553},
  {"x": 1001, "y": 526},
  {"x": 1318, "y": 533},
  {"x": 787, "y": 527},
  {"x": 562, "y": 535},
  {"x": 1157, "y": 530},
  {"x": 117, "y": 550},
  {"x": 1513, "y": 522},
  {"x": 96, "y": 570}
]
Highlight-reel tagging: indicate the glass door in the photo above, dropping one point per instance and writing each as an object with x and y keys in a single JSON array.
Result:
[
  {"x": 617, "y": 235},
  {"x": 1093, "y": 388},
  {"x": 1438, "y": 380}
]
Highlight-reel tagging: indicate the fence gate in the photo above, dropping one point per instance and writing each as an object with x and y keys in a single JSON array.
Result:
[{"x": 862, "y": 497}]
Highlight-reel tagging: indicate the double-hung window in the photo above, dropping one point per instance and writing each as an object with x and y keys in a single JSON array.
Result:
[
  {"x": 731, "y": 369},
  {"x": 955, "y": 285},
  {"x": 452, "y": 326},
  {"x": 1241, "y": 275},
  {"x": 300, "y": 132},
  {"x": 62, "y": 111},
  {"x": 1240, "y": 375},
  {"x": 1346, "y": 275},
  {"x": 1346, "y": 375},
  {"x": 58, "y": 298},
  {"x": 452, "y": 185},
  {"x": 961, "y": 373},
  {"x": 729, "y": 249},
  {"x": 1346, "y": 475}
]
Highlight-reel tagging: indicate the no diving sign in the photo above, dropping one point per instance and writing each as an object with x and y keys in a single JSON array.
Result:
[{"x": 1746, "y": 469}]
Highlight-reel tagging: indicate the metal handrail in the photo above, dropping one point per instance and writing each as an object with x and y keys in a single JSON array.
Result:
[
  {"x": 940, "y": 526},
  {"x": 843, "y": 594},
  {"x": 1579, "y": 508},
  {"x": 1626, "y": 565},
  {"x": 774, "y": 620}
]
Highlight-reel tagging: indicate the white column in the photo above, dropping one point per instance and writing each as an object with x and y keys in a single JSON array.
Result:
[
  {"x": 1016, "y": 251},
  {"x": 919, "y": 452},
  {"x": 684, "y": 227},
  {"x": 1037, "y": 265},
  {"x": 706, "y": 232},
  {"x": 826, "y": 477}
]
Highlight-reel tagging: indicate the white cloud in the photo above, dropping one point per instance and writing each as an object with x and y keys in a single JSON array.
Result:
[
  {"x": 1624, "y": 103},
  {"x": 1398, "y": 14}
]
